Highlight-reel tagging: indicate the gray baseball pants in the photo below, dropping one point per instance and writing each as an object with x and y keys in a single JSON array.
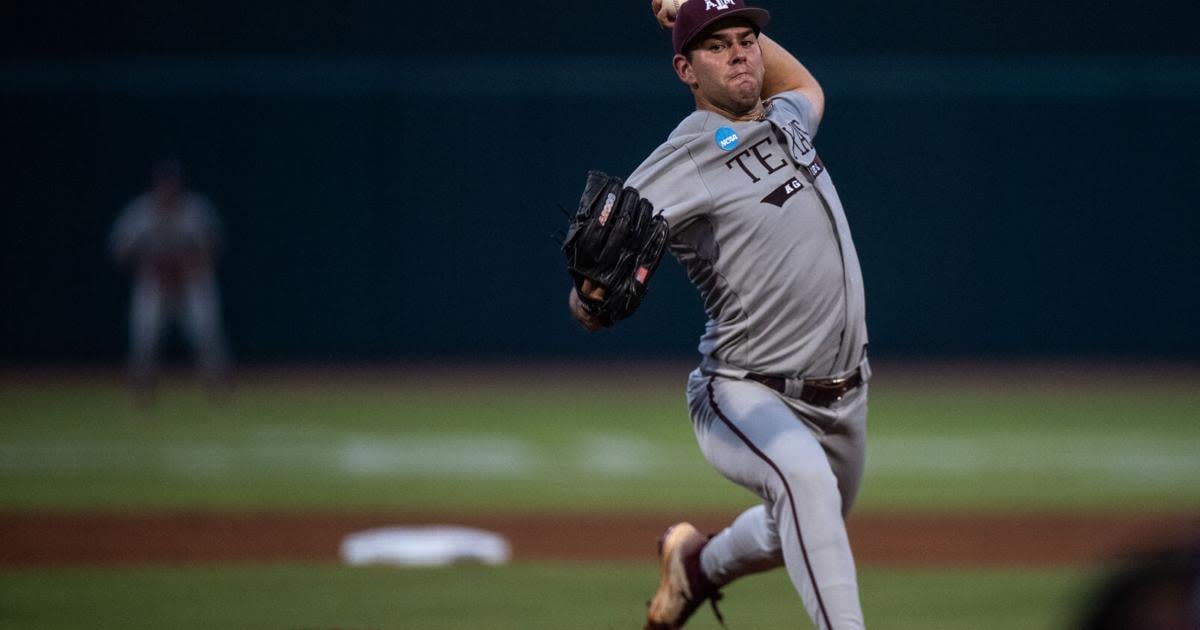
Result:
[
  {"x": 197, "y": 305},
  {"x": 805, "y": 463}
]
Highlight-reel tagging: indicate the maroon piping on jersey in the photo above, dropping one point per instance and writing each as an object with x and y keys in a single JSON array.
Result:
[{"x": 712, "y": 401}]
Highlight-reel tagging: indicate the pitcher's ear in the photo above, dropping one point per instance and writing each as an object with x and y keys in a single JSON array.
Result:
[{"x": 683, "y": 70}]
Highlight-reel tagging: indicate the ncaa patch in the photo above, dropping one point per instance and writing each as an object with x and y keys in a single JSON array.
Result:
[{"x": 727, "y": 139}]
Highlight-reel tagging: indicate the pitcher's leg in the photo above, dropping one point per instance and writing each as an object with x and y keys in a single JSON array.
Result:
[
  {"x": 749, "y": 545},
  {"x": 816, "y": 549},
  {"x": 845, "y": 444},
  {"x": 756, "y": 440}
]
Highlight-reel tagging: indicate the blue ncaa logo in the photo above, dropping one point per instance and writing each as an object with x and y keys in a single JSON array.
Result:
[{"x": 727, "y": 139}]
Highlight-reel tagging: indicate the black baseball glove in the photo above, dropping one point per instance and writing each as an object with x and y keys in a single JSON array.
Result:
[{"x": 615, "y": 240}]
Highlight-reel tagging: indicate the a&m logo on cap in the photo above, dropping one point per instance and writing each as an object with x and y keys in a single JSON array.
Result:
[
  {"x": 719, "y": 5},
  {"x": 727, "y": 139}
]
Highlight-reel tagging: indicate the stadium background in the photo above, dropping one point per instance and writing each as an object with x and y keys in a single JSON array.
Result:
[{"x": 1021, "y": 178}]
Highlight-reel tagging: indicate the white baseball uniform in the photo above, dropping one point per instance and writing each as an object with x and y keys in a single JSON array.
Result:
[{"x": 172, "y": 250}]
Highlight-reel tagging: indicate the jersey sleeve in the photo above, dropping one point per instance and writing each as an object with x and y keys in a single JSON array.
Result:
[
  {"x": 670, "y": 180},
  {"x": 209, "y": 230},
  {"x": 127, "y": 230},
  {"x": 795, "y": 106}
]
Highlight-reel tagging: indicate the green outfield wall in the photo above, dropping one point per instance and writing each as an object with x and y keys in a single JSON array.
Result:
[{"x": 1016, "y": 187}]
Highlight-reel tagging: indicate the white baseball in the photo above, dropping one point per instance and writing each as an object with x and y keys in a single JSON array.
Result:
[{"x": 673, "y": 6}]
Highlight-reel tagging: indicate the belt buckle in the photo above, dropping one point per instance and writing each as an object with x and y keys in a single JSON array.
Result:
[
  {"x": 828, "y": 383},
  {"x": 835, "y": 382},
  {"x": 838, "y": 386}
]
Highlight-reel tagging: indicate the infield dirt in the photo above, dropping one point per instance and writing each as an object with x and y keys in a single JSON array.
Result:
[{"x": 879, "y": 539}]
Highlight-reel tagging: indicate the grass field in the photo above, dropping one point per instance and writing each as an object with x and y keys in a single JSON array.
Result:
[
  {"x": 535, "y": 440},
  {"x": 546, "y": 441},
  {"x": 517, "y": 597}
]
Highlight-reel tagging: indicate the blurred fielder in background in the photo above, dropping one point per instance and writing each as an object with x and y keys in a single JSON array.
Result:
[{"x": 170, "y": 237}]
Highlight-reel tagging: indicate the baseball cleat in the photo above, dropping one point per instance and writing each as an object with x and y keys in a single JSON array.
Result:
[{"x": 682, "y": 586}]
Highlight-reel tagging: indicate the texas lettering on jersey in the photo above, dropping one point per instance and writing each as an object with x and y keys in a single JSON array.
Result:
[
  {"x": 756, "y": 162},
  {"x": 763, "y": 159},
  {"x": 800, "y": 144}
]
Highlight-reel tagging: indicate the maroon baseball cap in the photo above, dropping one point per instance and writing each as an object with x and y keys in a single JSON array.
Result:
[{"x": 697, "y": 15}]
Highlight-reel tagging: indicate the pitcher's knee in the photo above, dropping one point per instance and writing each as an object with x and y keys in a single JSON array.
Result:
[{"x": 807, "y": 480}]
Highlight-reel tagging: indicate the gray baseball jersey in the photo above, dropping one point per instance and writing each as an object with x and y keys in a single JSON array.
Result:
[
  {"x": 167, "y": 245},
  {"x": 757, "y": 223}
]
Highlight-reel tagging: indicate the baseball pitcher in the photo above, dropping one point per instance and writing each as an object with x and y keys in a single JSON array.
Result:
[{"x": 778, "y": 403}]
